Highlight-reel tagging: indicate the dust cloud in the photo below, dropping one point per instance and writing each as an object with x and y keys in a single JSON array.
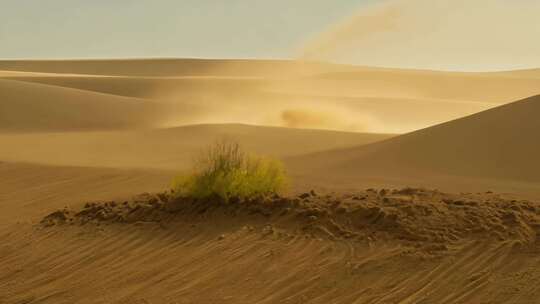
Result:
[
  {"x": 313, "y": 119},
  {"x": 434, "y": 34}
]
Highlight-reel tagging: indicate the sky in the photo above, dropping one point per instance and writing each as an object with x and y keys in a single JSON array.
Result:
[
  {"x": 162, "y": 28},
  {"x": 466, "y": 35},
  {"x": 428, "y": 34}
]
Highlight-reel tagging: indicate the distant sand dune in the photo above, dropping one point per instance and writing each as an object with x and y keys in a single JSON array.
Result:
[
  {"x": 263, "y": 101},
  {"x": 148, "y": 87},
  {"x": 530, "y": 73},
  {"x": 166, "y": 67},
  {"x": 36, "y": 107},
  {"x": 318, "y": 80},
  {"x": 354, "y": 98}
]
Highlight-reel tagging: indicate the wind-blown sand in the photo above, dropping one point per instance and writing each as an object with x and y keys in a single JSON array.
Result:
[{"x": 73, "y": 132}]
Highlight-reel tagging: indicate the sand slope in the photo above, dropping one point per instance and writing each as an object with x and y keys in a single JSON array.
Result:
[
  {"x": 351, "y": 82},
  {"x": 169, "y": 149},
  {"x": 150, "y": 265},
  {"x": 28, "y": 190},
  {"x": 37, "y": 107},
  {"x": 355, "y": 104},
  {"x": 149, "y": 87},
  {"x": 499, "y": 144}
]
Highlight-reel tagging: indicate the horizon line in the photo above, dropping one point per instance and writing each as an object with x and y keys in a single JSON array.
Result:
[{"x": 282, "y": 59}]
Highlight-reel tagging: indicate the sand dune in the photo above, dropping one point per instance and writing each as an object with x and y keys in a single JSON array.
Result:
[
  {"x": 36, "y": 107},
  {"x": 350, "y": 82},
  {"x": 318, "y": 80},
  {"x": 264, "y": 101},
  {"x": 326, "y": 96},
  {"x": 498, "y": 144},
  {"x": 149, "y": 87},
  {"x": 98, "y": 131},
  {"x": 530, "y": 73},
  {"x": 169, "y": 149}
]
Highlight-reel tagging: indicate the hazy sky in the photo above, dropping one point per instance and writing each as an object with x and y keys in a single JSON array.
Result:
[
  {"x": 155, "y": 28},
  {"x": 435, "y": 34}
]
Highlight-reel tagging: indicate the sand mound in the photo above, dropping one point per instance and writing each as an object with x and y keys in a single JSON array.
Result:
[
  {"x": 417, "y": 218},
  {"x": 36, "y": 107},
  {"x": 498, "y": 144}
]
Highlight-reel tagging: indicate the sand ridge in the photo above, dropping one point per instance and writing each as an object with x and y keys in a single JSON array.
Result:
[{"x": 36, "y": 108}]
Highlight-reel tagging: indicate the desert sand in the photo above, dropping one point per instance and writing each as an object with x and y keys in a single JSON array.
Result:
[
  {"x": 495, "y": 147},
  {"x": 276, "y": 93},
  {"x": 79, "y": 138},
  {"x": 168, "y": 148}
]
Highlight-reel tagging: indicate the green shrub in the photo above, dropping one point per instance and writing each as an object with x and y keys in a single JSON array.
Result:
[{"x": 226, "y": 171}]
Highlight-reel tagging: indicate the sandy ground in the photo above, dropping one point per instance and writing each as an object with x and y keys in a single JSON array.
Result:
[
  {"x": 408, "y": 246},
  {"x": 73, "y": 132}
]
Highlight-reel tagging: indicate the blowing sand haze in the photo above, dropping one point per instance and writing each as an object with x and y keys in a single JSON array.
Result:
[{"x": 193, "y": 152}]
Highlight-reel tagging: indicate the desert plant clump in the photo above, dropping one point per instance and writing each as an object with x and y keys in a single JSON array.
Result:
[{"x": 226, "y": 171}]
